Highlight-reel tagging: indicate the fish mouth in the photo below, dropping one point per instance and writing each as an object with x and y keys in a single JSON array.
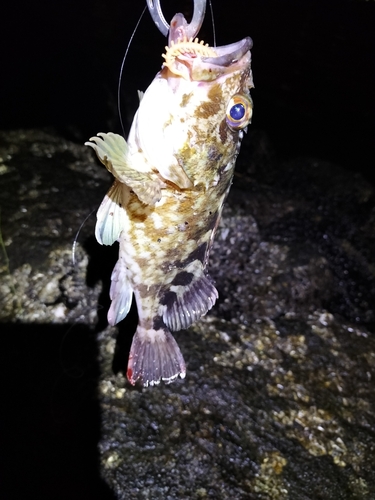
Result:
[
  {"x": 194, "y": 60},
  {"x": 229, "y": 54}
]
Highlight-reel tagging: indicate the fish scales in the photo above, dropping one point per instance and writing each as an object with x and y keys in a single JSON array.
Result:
[{"x": 172, "y": 177}]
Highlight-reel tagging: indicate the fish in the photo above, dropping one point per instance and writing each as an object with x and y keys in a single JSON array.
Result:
[{"x": 171, "y": 178}]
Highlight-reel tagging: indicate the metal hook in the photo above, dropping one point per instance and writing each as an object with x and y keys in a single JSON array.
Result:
[{"x": 160, "y": 22}]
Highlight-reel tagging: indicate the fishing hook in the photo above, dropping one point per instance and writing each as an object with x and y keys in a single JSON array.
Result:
[{"x": 160, "y": 22}]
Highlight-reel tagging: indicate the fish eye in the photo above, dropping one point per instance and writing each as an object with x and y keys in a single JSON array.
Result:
[{"x": 239, "y": 111}]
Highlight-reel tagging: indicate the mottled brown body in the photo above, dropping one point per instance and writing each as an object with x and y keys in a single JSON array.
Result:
[
  {"x": 178, "y": 231},
  {"x": 171, "y": 182},
  {"x": 181, "y": 225}
]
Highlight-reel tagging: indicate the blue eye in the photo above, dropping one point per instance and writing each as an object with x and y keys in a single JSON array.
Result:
[{"x": 239, "y": 111}]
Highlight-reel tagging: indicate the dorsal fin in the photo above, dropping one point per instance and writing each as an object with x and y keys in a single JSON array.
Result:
[{"x": 190, "y": 296}]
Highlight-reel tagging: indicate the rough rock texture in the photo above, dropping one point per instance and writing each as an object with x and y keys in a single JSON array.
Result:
[{"x": 278, "y": 402}]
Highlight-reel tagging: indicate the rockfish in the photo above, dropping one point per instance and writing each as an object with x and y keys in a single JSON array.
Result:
[{"x": 172, "y": 176}]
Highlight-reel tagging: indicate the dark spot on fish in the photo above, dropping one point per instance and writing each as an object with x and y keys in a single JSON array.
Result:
[
  {"x": 213, "y": 105},
  {"x": 183, "y": 278},
  {"x": 198, "y": 254},
  {"x": 223, "y": 131},
  {"x": 215, "y": 93},
  {"x": 185, "y": 99},
  {"x": 159, "y": 240},
  {"x": 214, "y": 155},
  {"x": 206, "y": 110},
  {"x": 144, "y": 290},
  {"x": 143, "y": 263},
  {"x": 158, "y": 323},
  {"x": 138, "y": 216},
  {"x": 168, "y": 299}
]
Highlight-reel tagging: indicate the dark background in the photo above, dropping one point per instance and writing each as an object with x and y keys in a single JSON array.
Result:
[{"x": 313, "y": 64}]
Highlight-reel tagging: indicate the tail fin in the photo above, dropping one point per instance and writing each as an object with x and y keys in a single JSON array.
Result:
[{"x": 154, "y": 356}]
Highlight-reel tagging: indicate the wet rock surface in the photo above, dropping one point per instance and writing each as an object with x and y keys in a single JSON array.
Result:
[{"x": 278, "y": 402}]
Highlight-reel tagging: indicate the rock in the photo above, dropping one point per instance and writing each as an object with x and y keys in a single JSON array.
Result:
[{"x": 278, "y": 402}]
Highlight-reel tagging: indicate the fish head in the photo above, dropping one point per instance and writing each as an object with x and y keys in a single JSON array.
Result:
[{"x": 191, "y": 119}]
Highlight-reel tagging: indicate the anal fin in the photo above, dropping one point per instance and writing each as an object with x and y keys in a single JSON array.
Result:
[{"x": 121, "y": 294}]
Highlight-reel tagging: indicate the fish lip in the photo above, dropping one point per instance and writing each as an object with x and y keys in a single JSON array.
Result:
[{"x": 229, "y": 54}]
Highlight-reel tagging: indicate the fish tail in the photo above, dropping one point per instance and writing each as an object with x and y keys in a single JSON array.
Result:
[{"x": 154, "y": 357}]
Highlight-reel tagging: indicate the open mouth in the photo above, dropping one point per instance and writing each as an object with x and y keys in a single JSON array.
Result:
[{"x": 191, "y": 58}]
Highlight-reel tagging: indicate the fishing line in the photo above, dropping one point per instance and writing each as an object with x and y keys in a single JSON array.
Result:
[
  {"x": 213, "y": 24},
  {"x": 122, "y": 70},
  {"x": 74, "y": 246}
]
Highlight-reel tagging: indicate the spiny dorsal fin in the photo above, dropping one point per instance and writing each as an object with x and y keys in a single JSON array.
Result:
[{"x": 190, "y": 296}]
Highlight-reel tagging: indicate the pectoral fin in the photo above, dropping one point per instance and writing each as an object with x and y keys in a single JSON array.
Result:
[
  {"x": 111, "y": 216},
  {"x": 112, "y": 151}
]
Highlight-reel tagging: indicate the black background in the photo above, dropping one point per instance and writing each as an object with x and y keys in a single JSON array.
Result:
[{"x": 313, "y": 65}]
